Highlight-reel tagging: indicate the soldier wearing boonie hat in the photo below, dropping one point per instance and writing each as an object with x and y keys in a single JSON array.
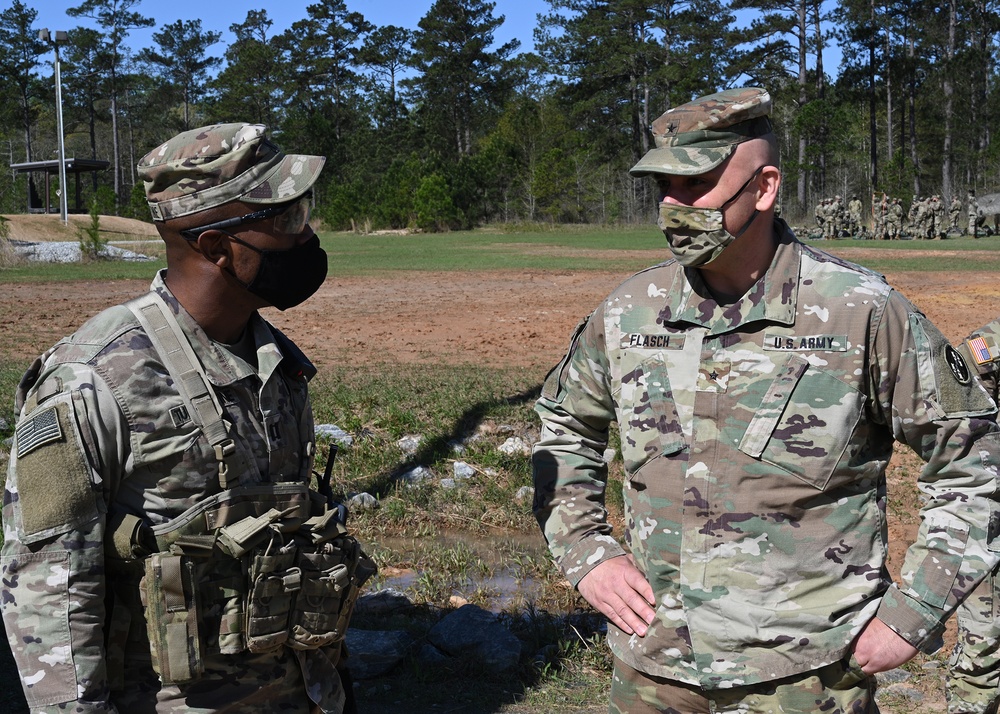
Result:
[
  {"x": 758, "y": 386},
  {"x": 178, "y": 432}
]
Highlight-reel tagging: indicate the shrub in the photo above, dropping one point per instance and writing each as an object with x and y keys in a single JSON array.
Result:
[
  {"x": 7, "y": 255},
  {"x": 92, "y": 244},
  {"x": 433, "y": 204}
]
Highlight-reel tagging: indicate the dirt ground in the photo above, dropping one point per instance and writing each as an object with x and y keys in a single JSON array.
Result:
[
  {"x": 496, "y": 319},
  {"x": 519, "y": 318}
]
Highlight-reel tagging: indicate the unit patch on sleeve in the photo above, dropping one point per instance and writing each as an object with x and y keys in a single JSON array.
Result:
[
  {"x": 957, "y": 365},
  {"x": 805, "y": 343}
]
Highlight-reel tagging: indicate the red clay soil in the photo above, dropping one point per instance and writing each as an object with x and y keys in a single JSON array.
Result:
[{"x": 515, "y": 318}]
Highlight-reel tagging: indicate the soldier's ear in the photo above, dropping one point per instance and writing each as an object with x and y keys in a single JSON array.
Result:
[
  {"x": 767, "y": 186},
  {"x": 216, "y": 247}
]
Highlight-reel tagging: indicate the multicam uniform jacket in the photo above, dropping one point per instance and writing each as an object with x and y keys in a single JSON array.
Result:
[
  {"x": 104, "y": 431},
  {"x": 974, "y": 676},
  {"x": 755, "y": 438}
]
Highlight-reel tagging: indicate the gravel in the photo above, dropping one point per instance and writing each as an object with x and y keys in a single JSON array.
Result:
[{"x": 57, "y": 252}]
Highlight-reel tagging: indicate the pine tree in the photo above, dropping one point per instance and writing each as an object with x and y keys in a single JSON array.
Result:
[
  {"x": 20, "y": 50},
  {"x": 462, "y": 84},
  {"x": 117, "y": 18},
  {"x": 183, "y": 61}
]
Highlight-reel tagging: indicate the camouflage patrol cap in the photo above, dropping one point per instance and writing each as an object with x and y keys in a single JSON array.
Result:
[
  {"x": 214, "y": 165},
  {"x": 698, "y": 136}
]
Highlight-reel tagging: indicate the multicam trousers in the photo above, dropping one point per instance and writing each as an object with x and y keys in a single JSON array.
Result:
[
  {"x": 973, "y": 684},
  {"x": 838, "y": 688}
]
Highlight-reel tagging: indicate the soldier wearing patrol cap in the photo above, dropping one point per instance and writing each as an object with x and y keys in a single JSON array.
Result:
[
  {"x": 758, "y": 386},
  {"x": 176, "y": 433}
]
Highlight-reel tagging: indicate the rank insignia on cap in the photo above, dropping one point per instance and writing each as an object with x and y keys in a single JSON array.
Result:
[
  {"x": 980, "y": 350},
  {"x": 40, "y": 429}
]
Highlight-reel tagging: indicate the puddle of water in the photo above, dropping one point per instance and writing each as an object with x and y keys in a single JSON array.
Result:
[{"x": 497, "y": 573}]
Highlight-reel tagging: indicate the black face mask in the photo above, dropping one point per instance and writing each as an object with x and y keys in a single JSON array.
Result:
[{"x": 286, "y": 278}]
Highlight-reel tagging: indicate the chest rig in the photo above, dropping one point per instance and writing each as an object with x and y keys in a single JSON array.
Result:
[{"x": 254, "y": 567}]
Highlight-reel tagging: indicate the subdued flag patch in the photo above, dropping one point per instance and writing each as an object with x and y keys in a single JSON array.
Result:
[{"x": 39, "y": 429}]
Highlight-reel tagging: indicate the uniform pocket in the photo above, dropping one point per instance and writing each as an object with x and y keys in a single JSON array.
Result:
[
  {"x": 275, "y": 581},
  {"x": 652, "y": 426},
  {"x": 804, "y": 423},
  {"x": 327, "y": 577}
]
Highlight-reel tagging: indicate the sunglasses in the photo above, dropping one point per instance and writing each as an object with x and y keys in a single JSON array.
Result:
[{"x": 289, "y": 219}]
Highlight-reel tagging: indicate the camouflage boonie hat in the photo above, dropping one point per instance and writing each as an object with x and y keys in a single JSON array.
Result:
[
  {"x": 698, "y": 136},
  {"x": 214, "y": 165}
]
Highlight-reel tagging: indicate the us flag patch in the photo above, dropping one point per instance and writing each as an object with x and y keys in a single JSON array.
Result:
[
  {"x": 980, "y": 350},
  {"x": 40, "y": 429}
]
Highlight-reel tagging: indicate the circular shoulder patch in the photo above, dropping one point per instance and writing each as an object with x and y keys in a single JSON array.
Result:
[{"x": 958, "y": 366}]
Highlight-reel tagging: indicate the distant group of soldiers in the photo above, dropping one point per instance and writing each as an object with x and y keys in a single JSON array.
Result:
[
  {"x": 926, "y": 218},
  {"x": 835, "y": 220}
]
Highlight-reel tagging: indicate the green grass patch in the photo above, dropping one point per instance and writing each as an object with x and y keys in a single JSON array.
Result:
[
  {"x": 535, "y": 247},
  {"x": 354, "y": 254},
  {"x": 952, "y": 255},
  {"x": 10, "y": 374},
  {"x": 459, "y": 413},
  {"x": 93, "y": 270}
]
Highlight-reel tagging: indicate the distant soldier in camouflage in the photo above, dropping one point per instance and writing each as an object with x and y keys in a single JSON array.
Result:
[
  {"x": 910, "y": 226},
  {"x": 925, "y": 219},
  {"x": 840, "y": 217},
  {"x": 973, "y": 683},
  {"x": 894, "y": 223},
  {"x": 975, "y": 217},
  {"x": 876, "y": 217},
  {"x": 954, "y": 213},
  {"x": 937, "y": 212},
  {"x": 881, "y": 207},
  {"x": 854, "y": 211},
  {"x": 758, "y": 386},
  {"x": 163, "y": 551},
  {"x": 830, "y": 224}
]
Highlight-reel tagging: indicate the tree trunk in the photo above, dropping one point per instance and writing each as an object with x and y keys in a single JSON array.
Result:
[
  {"x": 116, "y": 157},
  {"x": 803, "y": 100},
  {"x": 821, "y": 95},
  {"x": 888, "y": 96},
  {"x": 872, "y": 123},
  {"x": 949, "y": 105},
  {"x": 914, "y": 156}
]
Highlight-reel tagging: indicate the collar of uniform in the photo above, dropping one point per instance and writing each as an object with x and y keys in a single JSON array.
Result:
[
  {"x": 221, "y": 367},
  {"x": 771, "y": 299}
]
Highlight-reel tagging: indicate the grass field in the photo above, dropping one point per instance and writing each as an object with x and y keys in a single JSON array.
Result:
[
  {"x": 561, "y": 248},
  {"x": 477, "y": 542}
]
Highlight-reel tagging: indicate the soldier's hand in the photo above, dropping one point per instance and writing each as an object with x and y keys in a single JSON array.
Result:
[
  {"x": 621, "y": 593},
  {"x": 878, "y": 648}
]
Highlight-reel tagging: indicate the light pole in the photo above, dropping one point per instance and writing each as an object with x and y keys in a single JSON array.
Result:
[{"x": 56, "y": 38}]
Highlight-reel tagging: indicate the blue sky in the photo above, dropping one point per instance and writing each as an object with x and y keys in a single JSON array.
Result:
[
  {"x": 519, "y": 18},
  {"x": 218, "y": 16}
]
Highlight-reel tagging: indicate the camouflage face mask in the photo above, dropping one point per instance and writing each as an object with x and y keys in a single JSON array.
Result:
[{"x": 696, "y": 236}]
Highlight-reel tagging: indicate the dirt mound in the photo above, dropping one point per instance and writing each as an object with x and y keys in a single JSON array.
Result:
[{"x": 49, "y": 227}]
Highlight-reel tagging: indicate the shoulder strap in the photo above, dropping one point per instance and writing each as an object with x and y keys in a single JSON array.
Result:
[{"x": 172, "y": 346}]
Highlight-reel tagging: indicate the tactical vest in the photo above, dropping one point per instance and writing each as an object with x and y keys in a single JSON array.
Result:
[{"x": 255, "y": 567}]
